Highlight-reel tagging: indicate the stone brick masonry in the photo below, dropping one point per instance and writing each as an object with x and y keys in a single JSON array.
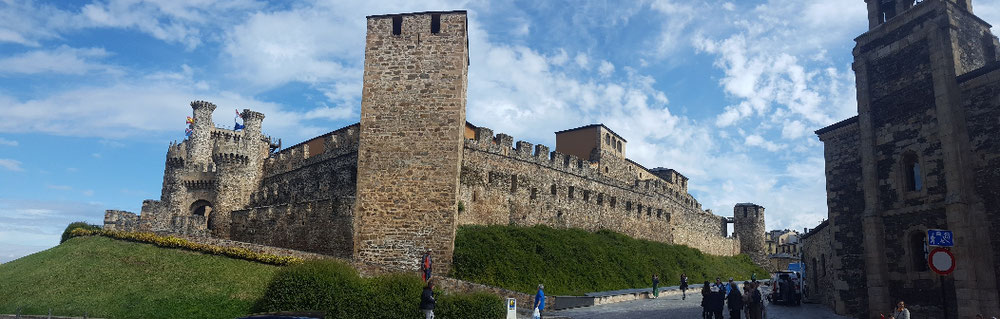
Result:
[{"x": 398, "y": 183}]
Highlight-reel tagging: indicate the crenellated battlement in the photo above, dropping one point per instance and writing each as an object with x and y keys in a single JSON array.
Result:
[
  {"x": 199, "y": 184},
  {"x": 199, "y": 104},
  {"x": 502, "y": 144},
  {"x": 334, "y": 144},
  {"x": 252, "y": 115}
]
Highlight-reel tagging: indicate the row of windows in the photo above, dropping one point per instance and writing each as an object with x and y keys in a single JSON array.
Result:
[
  {"x": 397, "y": 24},
  {"x": 572, "y": 193},
  {"x": 614, "y": 143}
]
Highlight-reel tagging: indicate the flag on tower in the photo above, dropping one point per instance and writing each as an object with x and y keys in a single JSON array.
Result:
[
  {"x": 238, "y": 126},
  {"x": 190, "y": 120},
  {"x": 187, "y": 132}
]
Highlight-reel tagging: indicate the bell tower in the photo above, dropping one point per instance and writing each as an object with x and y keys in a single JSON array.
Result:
[{"x": 910, "y": 114}]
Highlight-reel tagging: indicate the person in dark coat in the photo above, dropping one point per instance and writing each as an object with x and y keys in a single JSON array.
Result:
[
  {"x": 717, "y": 301},
  {"x": 706, "y": 295},
  {"x": 427, "y": 301},
  {"x": 756, "y": 302},
  {"x": 684, "y": 286},
  {"x": 656, "y": 282},
  {"x": 735, "y": 301}
]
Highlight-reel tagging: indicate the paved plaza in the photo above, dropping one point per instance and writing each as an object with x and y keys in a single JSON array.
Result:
[{"x": 671, "y": 306}]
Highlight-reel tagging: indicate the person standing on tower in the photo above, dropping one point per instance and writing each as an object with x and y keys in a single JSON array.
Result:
[{"x": 425, "y": 265}]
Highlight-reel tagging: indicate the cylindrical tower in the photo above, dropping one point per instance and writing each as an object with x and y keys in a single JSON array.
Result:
[
  {"x": 200, "y": 141},
  {"x": 748, "y": 224},
  {"x": 252, "y": 123},
  {"x": 233, "y": 183}
]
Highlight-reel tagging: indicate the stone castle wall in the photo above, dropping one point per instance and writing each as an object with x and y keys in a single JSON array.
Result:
[
  {"x": 527, "y": 185},
  {"x": 306, "y": 201}
]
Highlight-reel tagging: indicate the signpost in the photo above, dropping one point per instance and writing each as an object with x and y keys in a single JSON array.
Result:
[
  {"x": 940, "y": 238},
  {"x": 511, "y": 308},
  {"x": 941, "y": 260}
]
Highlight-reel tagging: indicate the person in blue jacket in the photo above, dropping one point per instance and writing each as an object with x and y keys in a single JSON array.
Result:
[{"x": 540, "y": 298}]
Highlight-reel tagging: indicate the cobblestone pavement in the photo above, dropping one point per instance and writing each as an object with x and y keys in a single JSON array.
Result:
[{"x": 671, "y": 306}]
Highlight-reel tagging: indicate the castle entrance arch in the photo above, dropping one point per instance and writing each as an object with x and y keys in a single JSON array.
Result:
[{"x": 201, "y": 208}]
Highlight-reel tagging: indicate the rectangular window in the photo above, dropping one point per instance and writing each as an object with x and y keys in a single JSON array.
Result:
[
  {"x": 397, "y": 25},
  {"x": 586, "y": 195},
  {"x": 436, "y": 23},
  {"x": 570, "y": 192},
  {"x": 600, "y": 198},
  {"x": 513, "y": 184},
  {"x": 553, "y": 189},
  {"x": 614, "y": 201},
  {"x": 534, "y": 193}
]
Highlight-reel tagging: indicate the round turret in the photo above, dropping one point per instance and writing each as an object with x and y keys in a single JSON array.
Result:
[{"x": 748, "y": 224}]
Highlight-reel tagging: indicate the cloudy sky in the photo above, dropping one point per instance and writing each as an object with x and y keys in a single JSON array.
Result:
[{"x": 726, "y": 92}]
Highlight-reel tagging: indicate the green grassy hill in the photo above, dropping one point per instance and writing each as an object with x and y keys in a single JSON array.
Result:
[
  {"x": 573, "y": 262},
  {"x": 109, "y": 278}
]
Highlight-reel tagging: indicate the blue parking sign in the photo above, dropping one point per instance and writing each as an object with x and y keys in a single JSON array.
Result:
[{"x": 940, "y": 237}]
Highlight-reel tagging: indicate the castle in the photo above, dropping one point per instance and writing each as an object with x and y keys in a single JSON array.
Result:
[
  {"x": 921, "y": 154},
  {"x": 401, "y": 180}
]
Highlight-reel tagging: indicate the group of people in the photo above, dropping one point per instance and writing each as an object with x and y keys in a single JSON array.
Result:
[{"x": 716, "y": 297}]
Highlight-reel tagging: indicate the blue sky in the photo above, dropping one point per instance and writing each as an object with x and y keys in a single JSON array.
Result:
[{"x": 726, "y": 92}]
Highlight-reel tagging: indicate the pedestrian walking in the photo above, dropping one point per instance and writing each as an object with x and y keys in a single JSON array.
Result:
[
  {"x": 540, "y": 300},
  {"x": 425, "y": 266},
  {"x": 427, "y": 301},
  {"x": 656, "y": 282},
  {"x": 706, "y": 295},
  {"x": 684, "y": 286},
  {"x": 900, "y": 312},
  {"x": 735, "y": 302}
]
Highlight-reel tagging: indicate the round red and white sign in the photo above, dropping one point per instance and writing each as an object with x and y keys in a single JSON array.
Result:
[{"x": 941, "y": 260}]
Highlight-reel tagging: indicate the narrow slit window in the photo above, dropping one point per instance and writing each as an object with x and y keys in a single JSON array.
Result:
[
  {"x": 570, "y": 192},
  {"x": 534, "y": 193},
  {"x": 553, "y": 189},
  {"x": 435, "y": 23},
  {"x": 397, "y": 25}
]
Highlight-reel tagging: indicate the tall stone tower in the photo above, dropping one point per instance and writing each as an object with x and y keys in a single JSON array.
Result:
[
  {"x": 748, "y": 224},
  {"x": 411, "y": 135},
  {"x": 916, "y": 159},
  {"x": 239, "y": 159},
  {"x": 200, "y": 142}
]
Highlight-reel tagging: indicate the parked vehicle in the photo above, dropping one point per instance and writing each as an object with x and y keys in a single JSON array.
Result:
[{"x": 786, "y": 288}]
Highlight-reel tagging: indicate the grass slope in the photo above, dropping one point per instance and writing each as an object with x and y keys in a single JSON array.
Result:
[
  {"x": 116, "y": 279},
  {"x": 573, "y": 262}
]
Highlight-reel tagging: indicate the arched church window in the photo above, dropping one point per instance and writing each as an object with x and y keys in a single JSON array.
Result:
[{"x": 911, "y": 167}]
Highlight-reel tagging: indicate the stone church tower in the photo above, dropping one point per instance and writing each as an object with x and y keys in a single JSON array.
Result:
[
  {"x": 411, "y": 137},
  {"x": 918, "y": 156}
]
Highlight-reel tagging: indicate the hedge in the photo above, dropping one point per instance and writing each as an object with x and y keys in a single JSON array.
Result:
[
  {"x": 67, "y": 234},
  {"x": 336, "y": 289},
  {"x": 174, "y": 242},
  {"x": 574, "y": 261}
]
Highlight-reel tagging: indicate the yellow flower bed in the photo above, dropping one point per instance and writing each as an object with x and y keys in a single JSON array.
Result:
[{"x": 175, "y": 242}]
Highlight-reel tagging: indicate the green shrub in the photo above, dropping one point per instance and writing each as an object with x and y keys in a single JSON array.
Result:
[
  {"x": 573, "y": 261},
  {"x": 475, "y": 305},
  {"x": 66, "y": 235},
  {"x": 337, "y": 290}
]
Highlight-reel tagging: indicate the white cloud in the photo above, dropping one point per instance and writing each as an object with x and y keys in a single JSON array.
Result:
[
  {"x": 11, "y": 165},
  {"x": 582, "y": 60},
  {"x": 7, "y": 142},
  {"x": 606, "y": 68},
  {"x": 62, "y": 60},
  {"x": 757, "y": 140}
]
